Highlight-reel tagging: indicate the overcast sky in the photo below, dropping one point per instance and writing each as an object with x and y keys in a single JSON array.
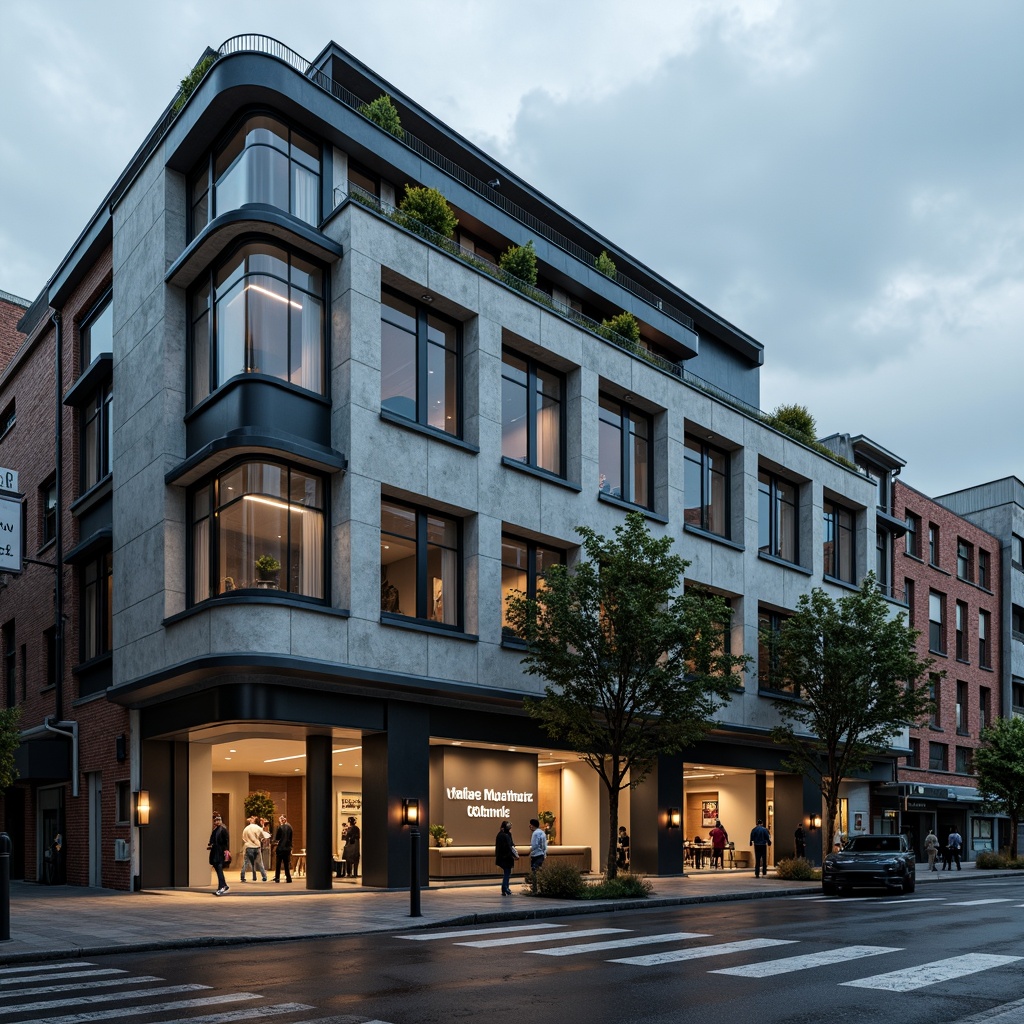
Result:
[{"x": 841, "y": 180}]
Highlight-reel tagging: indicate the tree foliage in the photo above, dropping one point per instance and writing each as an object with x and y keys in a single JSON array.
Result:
[
  {"x": 999, "y": 765},
  {"x": 10, "y": 738},
  {"x": 625, "y": 325},
  {"x": 260, "y": 803},
  {"x": 797, "y": 421},
  {"x": 605, "y": 264},
  {"x": 634, "y": 667},
  {"x": 429, "y": 207},
  {"x": 520, "y": 261},
  {"x": 383, "y": 112},
  {"x": 853, "y": 670},
  {"x": 192, "y": 79}
]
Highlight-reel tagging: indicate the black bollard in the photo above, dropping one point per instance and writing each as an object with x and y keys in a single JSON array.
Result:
[
  {"x": 5, "y": 886},
  {"x": 414, "y": 872}
]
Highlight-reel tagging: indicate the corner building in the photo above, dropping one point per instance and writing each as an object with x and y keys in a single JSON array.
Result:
[{"x": 338, "y": 440}]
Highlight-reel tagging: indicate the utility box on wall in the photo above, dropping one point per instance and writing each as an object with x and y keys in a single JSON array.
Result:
[{"x": 122, "y": 851}]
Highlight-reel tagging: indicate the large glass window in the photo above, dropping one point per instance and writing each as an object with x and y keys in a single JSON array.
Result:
[
  {"x": 419, "y": 364},
  {"x": 264, "y": 162},
  {"x": 523, "y": 564},
  {"x": 933, "y": 544},
  {"x": 532, "y": 413},
  {"x": 97, "y": 436},
  {"x": 777, "y": 516},
  {"x": 258, "y": 526},
  {"x": 769, "y": 623},
  {"x": 420, "y": 564},
  {"x": 97, "y": 607},
  {"x": 984, "y": 648},
  {"x": 97, "y": 333},
  {"x": 1017, "y": 551},
  {"x": 706, "y": 486},
  {"x": 936, "y": 622},
  {"x": 983, "y": 569},
  {"x": 961, "y": 626},
  {"x": 964, "y": 560},
  {"x": 266, "y": 316},
  {"x": 913, "y": 535},
  {"x": 961, "y": 707},
  {"x": 938, "y": 757},
  {"x": 838, "y": 541},
  {"x": 48, "y": 511},
  {"x": 625, "y": 457}
]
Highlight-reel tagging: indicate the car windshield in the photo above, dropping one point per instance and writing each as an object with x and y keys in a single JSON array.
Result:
[{"x": 874, "y": 844}]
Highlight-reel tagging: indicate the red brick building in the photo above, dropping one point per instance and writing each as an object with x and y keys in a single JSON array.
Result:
[
  {"x": 949, "y": 570},
  {"x": 55, "y": 615},
  {"x": 12, "y": 309}
]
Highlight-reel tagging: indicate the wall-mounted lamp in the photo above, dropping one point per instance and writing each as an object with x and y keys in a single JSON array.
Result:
[
  {"x": 815, "y": 821},
  {"x": 675, "y": 819},
  {"x": 410, "y": 812},
  {"x": 141, "y": 799}
]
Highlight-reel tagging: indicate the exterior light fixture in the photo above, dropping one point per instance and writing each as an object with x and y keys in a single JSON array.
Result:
[
  {"x": 141, "y": 798},
  {"x": 411, "y": 812},
  {"x": 674, "y": 817},
  {"x": 815, "y": 821},
  {"x": 411, "y": 817}
]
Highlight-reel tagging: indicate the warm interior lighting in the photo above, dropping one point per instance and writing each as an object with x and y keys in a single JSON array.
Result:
[
  {"x": 675, "y": 818},
  {"x": 273, "y": 502},
  {"x": 410, "y": 811},
  {"x": 141, "y": 797},
  {"x": 273, "y": 295}
]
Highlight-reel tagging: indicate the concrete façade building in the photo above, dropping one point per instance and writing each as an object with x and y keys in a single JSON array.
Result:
[{"x": 308, "y": 445}]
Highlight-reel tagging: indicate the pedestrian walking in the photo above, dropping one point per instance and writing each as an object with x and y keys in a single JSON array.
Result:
[
  {"x": 837, "y": 840},
  {"x": 622, "y": 857},
  {"x": 760, "y": 840},
  {"x": 719, "y": 837},
  {"x": 800, "y": 838},
  {"x": 252, "y": 839},
  {"x": 219, "y": 852},
  {"x": 505, "y": 855},
  {"x": 350, "y": 851},
  {"x": 538, "y": 849},
  {"x": 954, "y": 844},
  {"x": 931, "y": 849},
  {"x": 283, "y": 850}
]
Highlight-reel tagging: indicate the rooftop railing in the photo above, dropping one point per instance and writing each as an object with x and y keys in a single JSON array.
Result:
[{"x": 252, "y": 43}]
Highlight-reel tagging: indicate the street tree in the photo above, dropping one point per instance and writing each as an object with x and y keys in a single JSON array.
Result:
[
  {"x": 635, "y": 665},
  {"x": 999, "y": 765},
  {"x": 9, "y": 739},
  {"x": 850, "y": 673}
]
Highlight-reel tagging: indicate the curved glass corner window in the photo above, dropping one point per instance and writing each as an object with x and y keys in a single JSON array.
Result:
[
  {"x": 264, "y": 162},
  {"x": 266, "y": 316},
  {"x": 258, "y": 526}
]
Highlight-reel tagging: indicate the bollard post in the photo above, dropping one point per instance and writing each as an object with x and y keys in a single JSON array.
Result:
[
  {"x": 5, "y": 886},
  {"x": 414, "y": 872}
]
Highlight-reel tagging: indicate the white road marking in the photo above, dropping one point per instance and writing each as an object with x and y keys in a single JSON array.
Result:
[
  {"x": 801, "y": 963},
  {"x": 137, "y": 1011},
  {"x": 81, "y": 986},
  {"x": 914, "y": 899},
  {"x": 698, "y": 952},
  {"x": 104, "y": 997},
  {"x": 932, "y": 973},
  {"x": 244, "y": 1015},
  {"x": 979, "y": 903},
  {"x": 70, "y": 974},
  {"x": 45, "y": 967},
  {"x": 504, "y": 929},
  {"x": 518, "y": 940},
  {"x": 633, "y": 940}
]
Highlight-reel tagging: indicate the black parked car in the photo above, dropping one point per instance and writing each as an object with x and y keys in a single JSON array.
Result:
[{"x": 870, "y": 861}]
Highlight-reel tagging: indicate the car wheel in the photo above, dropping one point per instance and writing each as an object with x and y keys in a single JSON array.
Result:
[
  {"x": 828, "y": 888},
  {"x": 910, "y": 883}
]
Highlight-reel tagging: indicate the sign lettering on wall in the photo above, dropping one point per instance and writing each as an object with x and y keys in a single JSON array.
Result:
[{"x": 10, "y": 534}]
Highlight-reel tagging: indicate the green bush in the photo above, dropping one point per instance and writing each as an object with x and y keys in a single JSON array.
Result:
[
  {"x": 429, "y": 207},
  {"x": 623, "y": 886},
  {"x": 384, "y": 113},
  {"x": 259, "y": 803},
  {"x": 989, "y": 861},
  {"x": 797, "y": 869},
  {"x": 624, "y": 324},
  {"x": 605, "y": 264},
  {"x": 559, "y": 882},
  {"x": 192, "y": 79},
  {"x": 520, "y": 261},
  {"x": 797, "y": 421}
]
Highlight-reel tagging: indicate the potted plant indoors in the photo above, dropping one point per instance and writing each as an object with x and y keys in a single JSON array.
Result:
[{"x": 267, "y": 568}]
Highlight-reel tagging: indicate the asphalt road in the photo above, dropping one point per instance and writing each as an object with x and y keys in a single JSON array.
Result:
[{"x": 954, "y": 957}]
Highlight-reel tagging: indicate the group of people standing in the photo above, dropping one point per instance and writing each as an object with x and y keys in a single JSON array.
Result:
[
  {"x": 506, "y": 854},
  {"x": 933, "y": 846}
]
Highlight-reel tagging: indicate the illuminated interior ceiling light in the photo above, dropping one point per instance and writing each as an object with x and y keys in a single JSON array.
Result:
[
  {"x": 273, "y": 295},
  {"x": 273, "y": 502},
  {"x": 290, "y": 757},
  {"x": 345, "y": 750}
]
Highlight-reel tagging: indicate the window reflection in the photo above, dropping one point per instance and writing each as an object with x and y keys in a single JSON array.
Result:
[{"x": 523, "y": 565}]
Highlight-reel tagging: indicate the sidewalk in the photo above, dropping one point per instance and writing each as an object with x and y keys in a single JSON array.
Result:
[{"x": 53, "y": 922}]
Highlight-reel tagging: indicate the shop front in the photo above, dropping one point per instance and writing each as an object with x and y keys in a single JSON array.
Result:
[{"x": 915, "y": 809}]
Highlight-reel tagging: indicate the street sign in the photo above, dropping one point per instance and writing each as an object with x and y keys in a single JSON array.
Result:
[{"x": 10, "y": 535}]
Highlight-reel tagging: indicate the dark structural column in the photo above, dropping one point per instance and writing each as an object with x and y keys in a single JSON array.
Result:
[
  {"x": 797, "y": 799},
  {"x": 319, "y": 814},
  {"x": 656, "y": 849},
  {"x": 396, "y": 766}
]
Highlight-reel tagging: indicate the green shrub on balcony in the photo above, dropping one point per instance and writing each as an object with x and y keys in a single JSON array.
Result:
[
  {"x": 427, "y": 207},
  {"x": 192, "y": 79},
  {"x": 626, "y": 326},
  {"x": 795, "y": 420},
  {"x": 520, "y": 261},
  {"x": 605, "y": 264},
  {"x": 384, "y": 113}
]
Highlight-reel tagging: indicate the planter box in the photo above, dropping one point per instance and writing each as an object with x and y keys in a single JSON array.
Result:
[{"x": 478, "y": 861}]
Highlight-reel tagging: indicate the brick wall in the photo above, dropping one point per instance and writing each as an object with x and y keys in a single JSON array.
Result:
[{"x": 10, "y": 337}]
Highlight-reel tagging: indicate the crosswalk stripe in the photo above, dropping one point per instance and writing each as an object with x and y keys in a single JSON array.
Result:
[
  {"x": 247, "y": 1015},
  {"x": 44, "y": 967},
  {"x": 698, "y": 952},
  {"x": 518, "y": 940},
  {"x": 930, "y": 974},
  {"x": 633, "y": 940},
  {"x": 505, "y": 929},
  {"x": 914, "y": 899},
  {"x": 80, "y": 986},
  {"x": 137, "y": 1011},
  {"x": 799, "y": 963},
  {"x": 70, "y": 974},
  {"x": 979, "y": 903},
  {"x": 103, "y": 997}
]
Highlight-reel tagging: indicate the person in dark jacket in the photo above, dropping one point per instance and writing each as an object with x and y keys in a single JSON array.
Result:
[
  {"x": 218, "y": 846},
  {"x": 350, "y": 851},
  {"x": 760, "y": 840},
  {"x": 505, "y": 855},
  {"x": 800, "y": 837},
  {"x": 283, "y": 850}
]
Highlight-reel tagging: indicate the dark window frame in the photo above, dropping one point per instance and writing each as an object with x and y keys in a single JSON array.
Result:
[
  {"x": 964, "y": 560},
  {"x": 48, "y": 511},
  {"x": 770, "y": 489},
  {"x": 913, "y": 535},
  {"x": 913, "y": 759},
  {"x": 769, "y": 623},
  {"x": 99, "y": 588},
  {"x": 937, "y": 627},
  {"x": 831, "y": 515},
  {"x": 95, "y": 312},
  {"x": 10, "y": 664},
  {"x": 984, "y": 638},
  {"x": 934, "y": 545},
  {"x": 1017, "y": 551},
  {"x": 962, "y": 696},
  {"x": 983, "y": 569},
  {"x": 964, "y": 764},
  {"x": 533, "y": 411},
  {"x": 532, "y": 575},
  {"x": 938, "y": 757},
  {"x": 706, "y": 455},
  {"x": 935, "y": 696},
  {"x": 98, "y": 409},
  {"x": 628, "y": 412},
  {"x": 961, "y": 631}
]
